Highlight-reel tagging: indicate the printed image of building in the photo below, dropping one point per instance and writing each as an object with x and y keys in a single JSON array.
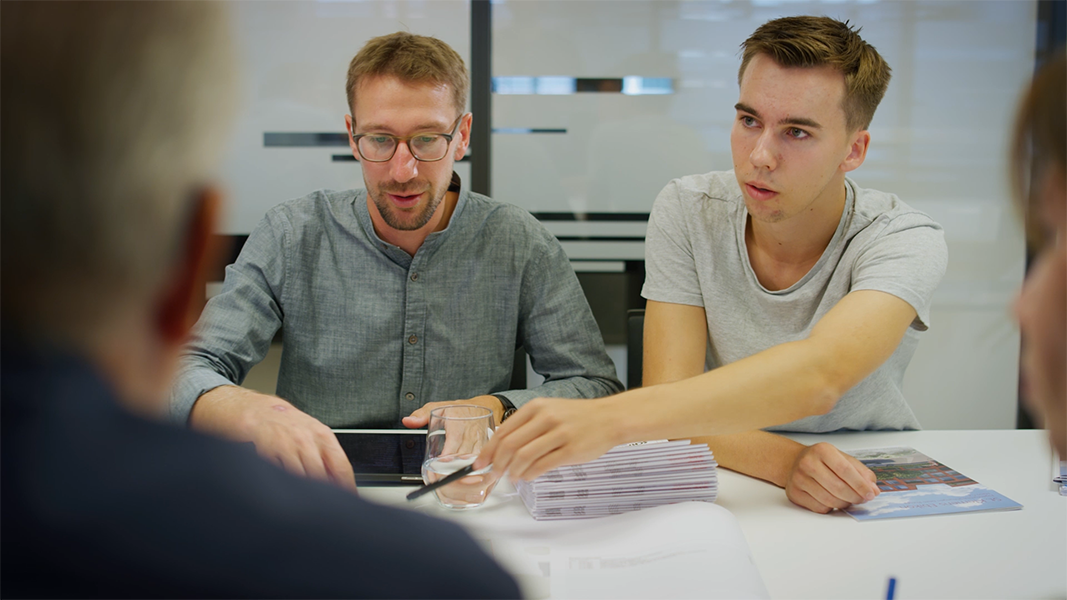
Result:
[{"x": 908, "y": 476}]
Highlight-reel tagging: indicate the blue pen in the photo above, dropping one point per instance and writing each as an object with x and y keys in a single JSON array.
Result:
[{"x": 889, "y": 593}]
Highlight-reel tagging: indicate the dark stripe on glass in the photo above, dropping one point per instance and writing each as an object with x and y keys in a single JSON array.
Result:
[
  {"x": 599, "y": 238},
  {"x": 482, "y": 96},
  {"x": 526, "y": 130},
  {"x": 301, "y": 139},
  {"x": 630, "y": 85},
  {"x": 595, "y": 216}
]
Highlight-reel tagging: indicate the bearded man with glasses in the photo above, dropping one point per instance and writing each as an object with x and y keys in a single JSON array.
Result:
[
  {"x": 392, "y": 300},
  {"x": 423, "y": 147}
]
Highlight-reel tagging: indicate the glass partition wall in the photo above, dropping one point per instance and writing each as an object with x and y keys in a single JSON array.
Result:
[{"x": 596, "y": 105}]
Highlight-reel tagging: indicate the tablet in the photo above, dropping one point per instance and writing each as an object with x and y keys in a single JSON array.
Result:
[{"x": 384, "y": 456}]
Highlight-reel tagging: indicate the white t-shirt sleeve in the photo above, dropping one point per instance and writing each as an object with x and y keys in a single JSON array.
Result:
[
  {"x": 907, "y": 259},
  {"x": 670, "y": 267}
]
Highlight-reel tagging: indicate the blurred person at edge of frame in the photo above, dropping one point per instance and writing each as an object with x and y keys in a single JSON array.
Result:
[
  {"x": 112, "y": 119},
  {"x": 1039, "y": 173}
]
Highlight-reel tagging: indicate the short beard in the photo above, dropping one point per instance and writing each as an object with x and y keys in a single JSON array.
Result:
[{"x": 392, "y": 218}]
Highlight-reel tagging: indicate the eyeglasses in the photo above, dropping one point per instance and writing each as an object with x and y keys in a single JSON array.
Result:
[{"x": 425, "y": 147}]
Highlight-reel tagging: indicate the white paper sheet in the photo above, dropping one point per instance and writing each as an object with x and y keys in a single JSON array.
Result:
[{"x": 686, "y": 550}]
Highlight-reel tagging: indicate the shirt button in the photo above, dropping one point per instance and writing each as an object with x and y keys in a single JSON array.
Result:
[
  {"x": 414, "y": 276},
  {"x": 413, "y": 339},
  {"x": 410, "y": 444},
  {"x": 409, "y": 396}
]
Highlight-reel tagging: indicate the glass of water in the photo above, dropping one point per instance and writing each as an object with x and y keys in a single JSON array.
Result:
[{"x": 455, "y": 436}]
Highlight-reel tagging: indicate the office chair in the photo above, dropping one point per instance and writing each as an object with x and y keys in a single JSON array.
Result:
[{"x": 635, "y": 334}]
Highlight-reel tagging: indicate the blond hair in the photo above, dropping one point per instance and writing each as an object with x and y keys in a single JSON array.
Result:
[
  {"x": 806, "y": 41},
  {"x": 410, "y": 58},
  {"x": 111, "y": 116}
]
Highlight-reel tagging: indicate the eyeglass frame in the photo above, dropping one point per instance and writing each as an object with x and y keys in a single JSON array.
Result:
[{"x": 398, "y": 139}]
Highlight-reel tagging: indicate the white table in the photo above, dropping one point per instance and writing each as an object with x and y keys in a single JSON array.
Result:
[{"x": 1016, "y": 554}]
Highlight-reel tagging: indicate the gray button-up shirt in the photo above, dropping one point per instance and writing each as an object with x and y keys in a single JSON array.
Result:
[{"x": 371, "y": 333}]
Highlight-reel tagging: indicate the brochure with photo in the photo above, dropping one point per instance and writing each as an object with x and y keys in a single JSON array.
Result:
[{"x": 914, "y": 485}]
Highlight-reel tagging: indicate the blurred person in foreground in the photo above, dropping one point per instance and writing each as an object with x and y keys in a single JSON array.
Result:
[
  {"x": 112, "y": 116},
  {"x": 1039, "y": 173}
]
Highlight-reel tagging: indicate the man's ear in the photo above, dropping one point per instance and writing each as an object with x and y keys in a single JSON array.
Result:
[
  {"x": 857, "y": 151},
  {"x": 184, "y": 292},
  {"x": 350, "y": 130},
  {"x": 464, "y": 136}
]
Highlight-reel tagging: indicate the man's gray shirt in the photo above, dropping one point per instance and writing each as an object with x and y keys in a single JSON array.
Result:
[
  {"x": 695, "y": 254},
  {"x": 370, "y": 333}
]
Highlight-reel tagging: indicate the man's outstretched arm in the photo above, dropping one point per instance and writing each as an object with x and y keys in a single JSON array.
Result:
[
  {"x": 819, "y": 478},
  {"x": 784, "y": 383}
]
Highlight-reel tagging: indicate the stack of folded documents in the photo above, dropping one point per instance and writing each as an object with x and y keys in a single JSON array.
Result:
[{"x": 627, "y": 478}]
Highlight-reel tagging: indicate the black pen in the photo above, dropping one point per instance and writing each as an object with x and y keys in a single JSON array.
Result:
[{"x": 433, "y": 486}]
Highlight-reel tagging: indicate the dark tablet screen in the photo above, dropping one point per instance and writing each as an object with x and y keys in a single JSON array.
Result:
[{"x": 384, "y": 455}]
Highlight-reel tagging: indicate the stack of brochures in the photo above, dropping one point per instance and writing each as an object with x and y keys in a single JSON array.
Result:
[{"x": 627, "y": 478}]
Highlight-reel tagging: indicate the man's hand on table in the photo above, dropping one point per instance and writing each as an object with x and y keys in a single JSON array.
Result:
[
  {"x": 280, "y": 432},
  {"x": 549, "y": 432},
  {"x": 421, "y": 417},
  {"x": 823, "y": 478}
]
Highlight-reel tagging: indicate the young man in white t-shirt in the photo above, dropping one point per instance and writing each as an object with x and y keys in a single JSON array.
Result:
[{"x": 802, "y": 293}]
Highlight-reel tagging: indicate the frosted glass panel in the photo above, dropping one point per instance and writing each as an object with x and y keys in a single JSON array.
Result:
[
  {"x": 938, "y": 141},
  {"x": 294, "y": 60},
  {"x": 938, "y": 138}
]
